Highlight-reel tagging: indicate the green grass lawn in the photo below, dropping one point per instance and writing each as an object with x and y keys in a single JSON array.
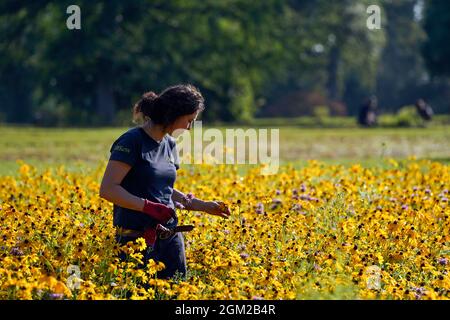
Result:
[{"x": 78, "y": 149}]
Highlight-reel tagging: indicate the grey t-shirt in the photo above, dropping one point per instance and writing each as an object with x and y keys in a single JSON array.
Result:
[{"x": 152, "y": 174}]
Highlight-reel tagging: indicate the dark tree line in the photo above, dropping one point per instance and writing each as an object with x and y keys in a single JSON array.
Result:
[{"x": 245, "y": 56}]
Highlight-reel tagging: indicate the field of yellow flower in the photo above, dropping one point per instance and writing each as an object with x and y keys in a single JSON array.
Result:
[{"x": 317, "y": 232}]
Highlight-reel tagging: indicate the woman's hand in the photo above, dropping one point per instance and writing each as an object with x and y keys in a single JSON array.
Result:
[{"x": 216, "y": 208}]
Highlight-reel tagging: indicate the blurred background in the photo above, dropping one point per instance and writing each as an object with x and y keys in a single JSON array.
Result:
[
  {"x": 292, "y": 63},
  {"x": 251, "y": 59}
]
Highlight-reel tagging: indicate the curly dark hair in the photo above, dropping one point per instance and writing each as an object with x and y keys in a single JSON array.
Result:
[{"x": 172, "y": 103}]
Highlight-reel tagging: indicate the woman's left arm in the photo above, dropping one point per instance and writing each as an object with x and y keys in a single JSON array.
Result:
[{"x": 189, "y": 202}]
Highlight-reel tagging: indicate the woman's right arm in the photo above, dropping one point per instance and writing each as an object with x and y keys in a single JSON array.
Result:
[{"x": 111, "y": 190}]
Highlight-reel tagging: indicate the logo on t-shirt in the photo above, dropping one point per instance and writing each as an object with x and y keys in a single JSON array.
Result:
[{"x": 121, "y": 149}]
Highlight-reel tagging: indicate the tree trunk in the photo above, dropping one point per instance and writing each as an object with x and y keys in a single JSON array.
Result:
[
  {"x": 333, "y": 65},
  {"x": 105, "y": 103}
]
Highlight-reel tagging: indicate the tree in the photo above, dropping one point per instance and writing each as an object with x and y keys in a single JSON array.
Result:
[
  {"x": 436, "y": 49},
  {"x": 336, "y": 47},
  {"x": 401, "y": 72},
  {"x": 17, "y": 75},
  {"x": 228, "y": 49}
]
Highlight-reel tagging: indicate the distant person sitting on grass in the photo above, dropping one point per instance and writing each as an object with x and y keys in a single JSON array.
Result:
[
  {"x": 424, "y": 110},
  {"x": 141, "y": 172},
  {"x": 368, "y": 113}
]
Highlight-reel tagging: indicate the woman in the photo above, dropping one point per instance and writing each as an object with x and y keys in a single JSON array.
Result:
[{"x": 141, "y": 172}]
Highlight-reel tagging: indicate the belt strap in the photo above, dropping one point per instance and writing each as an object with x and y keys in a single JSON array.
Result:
[
  {"x": 186, "y": 228},
  {"x": 129, "y": 233},
  {"x": 136, "y": 234}
]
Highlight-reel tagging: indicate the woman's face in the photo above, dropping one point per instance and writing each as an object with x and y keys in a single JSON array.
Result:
[{"x": 184, "y": 122}]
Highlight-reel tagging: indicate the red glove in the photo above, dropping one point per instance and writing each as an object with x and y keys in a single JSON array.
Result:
[
  {"x": 150, "y": 236},
  {"x": 151, "y": 233},
  {"x": 158, "y": 211}
]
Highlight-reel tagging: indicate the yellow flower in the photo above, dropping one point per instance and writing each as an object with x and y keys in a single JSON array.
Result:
[
  {"x": 347, "y": 219},
  {"x": 141, "y": 245}
]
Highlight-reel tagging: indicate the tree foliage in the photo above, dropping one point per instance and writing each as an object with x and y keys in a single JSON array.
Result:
[
  {"x": 243, "y": 55},
  {"x": 436, "y": 49}
]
